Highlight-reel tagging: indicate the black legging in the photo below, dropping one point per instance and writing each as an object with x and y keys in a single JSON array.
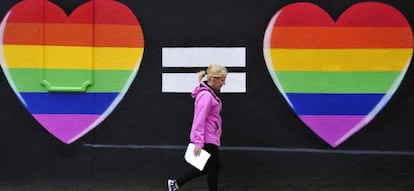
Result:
[{"x": 212, "y": 169}]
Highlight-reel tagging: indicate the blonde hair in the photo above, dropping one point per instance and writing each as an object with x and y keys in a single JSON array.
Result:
[{"x": 213, "y": 70}]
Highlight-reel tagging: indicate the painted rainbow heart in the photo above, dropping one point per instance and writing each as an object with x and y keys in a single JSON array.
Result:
[
  {"x": 70, "y": 72},
  {"x": 337, "y": 76}
]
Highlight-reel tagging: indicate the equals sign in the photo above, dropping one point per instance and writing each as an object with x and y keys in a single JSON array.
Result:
[{"x": 181, "y": 65}]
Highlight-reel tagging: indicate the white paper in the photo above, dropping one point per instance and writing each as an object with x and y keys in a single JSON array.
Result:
[{"x": 197, "y": 161}]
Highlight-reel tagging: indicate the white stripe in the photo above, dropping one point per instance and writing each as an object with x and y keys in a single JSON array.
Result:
[
  {"x": 185, "y": 82},
  {"x": 260, "y": 149},
  {"x": 204, "y": 56}
]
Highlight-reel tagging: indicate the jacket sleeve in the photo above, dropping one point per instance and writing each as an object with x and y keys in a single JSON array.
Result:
[{"x": 202, "y": 107}]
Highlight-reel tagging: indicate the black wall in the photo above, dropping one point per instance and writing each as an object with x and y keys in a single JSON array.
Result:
[{"x": 146, "y": 116}]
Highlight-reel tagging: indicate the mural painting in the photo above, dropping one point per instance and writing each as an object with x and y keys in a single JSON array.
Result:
[
  {"x": 70, "y": 72},
  {"x": 319, "y": 94},
  {"x": 337, "y": 75}
]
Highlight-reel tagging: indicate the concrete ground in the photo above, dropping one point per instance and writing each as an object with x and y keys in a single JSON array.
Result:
[
  {"x": 192, "y": 187},
  {"x": 112, "y": 170}
]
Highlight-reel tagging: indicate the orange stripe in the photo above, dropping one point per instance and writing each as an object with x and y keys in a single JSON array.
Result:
[
  {"x": 342, "y": 37},
  {"x": 119, "y": 35},
  {"x": 59, "y": 34}
]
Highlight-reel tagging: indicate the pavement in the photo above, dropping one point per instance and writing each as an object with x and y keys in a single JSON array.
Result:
[{"x": 148, "y": 170}]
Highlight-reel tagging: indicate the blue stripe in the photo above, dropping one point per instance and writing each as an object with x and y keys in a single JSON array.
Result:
[
  {"x": 68, "y": 103},
  {"x": 334, "y": 104}
]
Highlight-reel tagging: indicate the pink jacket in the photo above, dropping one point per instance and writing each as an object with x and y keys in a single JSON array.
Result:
[{"x": 207, "y": 124}]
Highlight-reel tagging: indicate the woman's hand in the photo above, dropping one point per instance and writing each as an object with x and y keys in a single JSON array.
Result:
[{"x": 197, "y": 150}]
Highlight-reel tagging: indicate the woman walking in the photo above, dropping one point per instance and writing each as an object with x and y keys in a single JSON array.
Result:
[{"x": 206, "y": 128}]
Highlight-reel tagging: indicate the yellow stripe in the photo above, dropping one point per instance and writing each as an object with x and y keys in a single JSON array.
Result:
[
  {"x": 67, "y": 57},
  {"x": 340, "y": 59}
]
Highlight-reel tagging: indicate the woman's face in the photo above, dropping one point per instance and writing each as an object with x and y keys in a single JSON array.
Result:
[{"x": 218, "y": 82}]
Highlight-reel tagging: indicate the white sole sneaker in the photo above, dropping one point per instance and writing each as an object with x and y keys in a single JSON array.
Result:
[{"x": 172, "y": 185}]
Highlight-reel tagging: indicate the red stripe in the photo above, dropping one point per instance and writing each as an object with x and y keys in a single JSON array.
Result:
[
  {"x": 361, "y": 14},
  {"x": 95, "y": 11}
]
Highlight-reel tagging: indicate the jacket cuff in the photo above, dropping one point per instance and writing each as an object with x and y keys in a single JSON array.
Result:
[{"x": 199, "y": 144}]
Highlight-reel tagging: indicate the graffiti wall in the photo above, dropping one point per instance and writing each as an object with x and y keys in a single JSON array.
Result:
[{"x": 320, "y": 74}]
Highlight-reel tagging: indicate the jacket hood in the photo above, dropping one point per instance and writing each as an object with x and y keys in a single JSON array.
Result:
[{"x": 203, "y": 87}]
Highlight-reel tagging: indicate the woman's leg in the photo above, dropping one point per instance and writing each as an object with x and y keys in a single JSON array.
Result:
[
  {"x": 188, "y": 176},
  {"x": 213, "y": 168}
]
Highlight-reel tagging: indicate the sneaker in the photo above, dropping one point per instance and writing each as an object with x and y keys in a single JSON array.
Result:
[{"x": 172, "y": 185}]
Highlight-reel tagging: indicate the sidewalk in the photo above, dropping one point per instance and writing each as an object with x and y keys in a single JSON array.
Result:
[
  {"x": 199, "y": 186},
  {"x": 148, "y": 170}
]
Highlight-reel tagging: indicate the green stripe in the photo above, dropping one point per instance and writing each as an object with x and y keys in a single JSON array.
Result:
[
  {"x": 336, "y": 82},
  {"x": 29, "y": 80},
  {"x": 67, "y": 80}
]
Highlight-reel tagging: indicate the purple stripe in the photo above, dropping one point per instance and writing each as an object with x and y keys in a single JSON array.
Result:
[
  {"x": 67, "y": 127},
  {"x": 335, "y": 129}
]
